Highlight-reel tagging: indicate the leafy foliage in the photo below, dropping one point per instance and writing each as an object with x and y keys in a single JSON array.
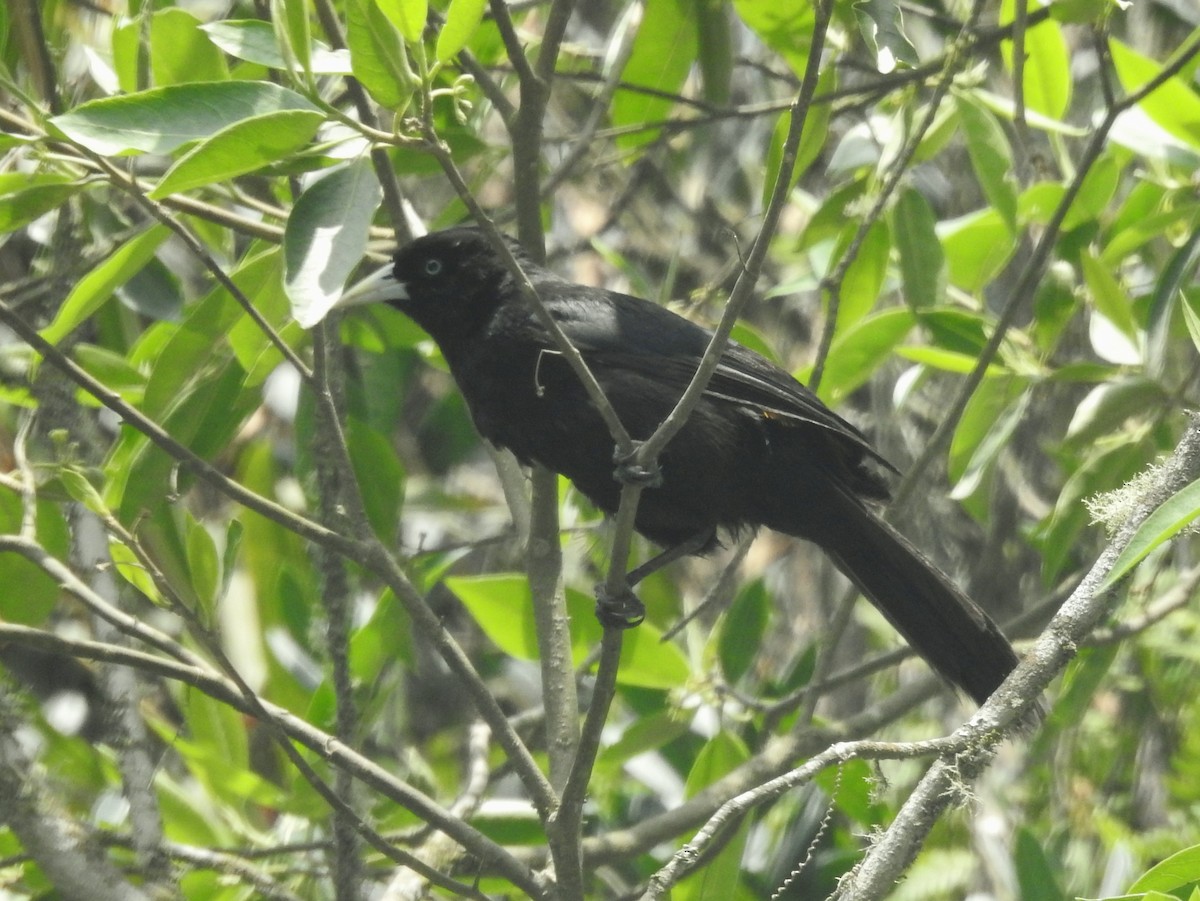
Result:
[{"x": 267, "y": 626}]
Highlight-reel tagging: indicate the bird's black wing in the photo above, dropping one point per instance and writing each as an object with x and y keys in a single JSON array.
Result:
[{"x": 640, "y": 336}]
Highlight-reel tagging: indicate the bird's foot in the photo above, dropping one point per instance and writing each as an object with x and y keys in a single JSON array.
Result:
[
  {"x": 630, "y": 472},
  {"x": 618, "y": 610}
]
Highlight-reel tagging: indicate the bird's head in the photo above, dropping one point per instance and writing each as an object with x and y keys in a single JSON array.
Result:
[{"x": 445, "y": 280}]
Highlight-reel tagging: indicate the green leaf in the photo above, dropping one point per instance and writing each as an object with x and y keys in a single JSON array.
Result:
[
  {"x": 922, "y": 263},
  {"x": 381, "y": 475},
  {"x": 242, "y": 147},
  {"x": 1173, "y": 105},
  {"x": 663, "y": 52},
  {"x": 978, "y": 445},
  {"x": 977, "y": 246},
  {"x": 865, "y": 274},
  {"x": 1180, "y": 869},
  {"x": 502, "y": 605},
  {"x": 24, "y": 197},
  {"x": 714, "y": 42},
  {"x": 881, "y": 24},
  {"x": 1034, "y": 873},
  {"x": 95, "y": 288},
  {"x": 1108, "y": 296},
  {"x": 180, "y": 51},
  {"x": 858, "y": 351},
  {"x": 1143, "y": 230},
  {"x": 1107, "y": 406},
  {"x": 77, "y": 485},
  {"x": 111, "y": 368},
  {"x": 255, "y": 41},
  {"x": 812, "y": 139},
  {"x": 947, "y": 360},
  {"x": 325, "y": 237},
  {"x": 718, "y": 879},
  {"x": 161, "y": 119},
  {"x": 991, "y": 157},
  {"x": 1175, "y": 514},
  {"x": 385, "y": 637},
  {"x": 377, "y": 55},
  {"x": 786, "y": 26},
  {"x": 290, "y": 20},
  {"x": 229, "y": 556},
  {"x": 462, "y": 18},
  {"x": 1047, "y": 69},
  {"x": 1097, "y": 191},
  {"x": 1191, "y": 315},
  {"x": 741, "y": 629},
  {"x": 203, "y": 564},
  {"x": 39, "y": 593},
  {"x": 407, "y": 15}
]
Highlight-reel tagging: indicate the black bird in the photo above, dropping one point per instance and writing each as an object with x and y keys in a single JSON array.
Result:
[{"x": 759, "y": 450}]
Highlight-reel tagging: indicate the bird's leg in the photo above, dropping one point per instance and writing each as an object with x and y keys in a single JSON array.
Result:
[{"x": 623, "y": 609}]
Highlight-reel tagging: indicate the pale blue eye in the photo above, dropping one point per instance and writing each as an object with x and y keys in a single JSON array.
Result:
[{"x": 433, "y": 267}]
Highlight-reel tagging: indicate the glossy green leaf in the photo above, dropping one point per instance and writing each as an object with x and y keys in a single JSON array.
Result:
[
  {"x": 859, "y": 351},
  {"x": 407, "y": 15},
  {"x": 785, "y": 26},
  {"x": 1175, "y": 871},
  {"x": 977, "y": 246},
  {"x": 1184, "y": 217},
  {"x": 663, "y": 53},
  {"x": 38, "y": 594},
  {"x": 1174, "y": 105},
  {"x": 714, "y": 49},
  {"x": 95, "y": 288},
  {"x": 720, "y": 875},
  {"x": 462, "y": 18},
  {"x": 161, "y": 119},
  {"x": 812, "y": 139},
  {"x": 1109, "y": 404},
  {"x": 326, "y": 236},
  {"x": 1191, "y": 315},
  {"x": 947, "y": 360},
  {"x": 865, "y": 274},
  {"x": 1047, "y": 69},
  {"x": 1108, "y": 295},
  {"x": 380, "y": 475},
  {"x": 243, "y": 147},
  {"x": 255, "y": 41},
  {"x": 384, "y": 638},
  {"x": 991, "y": 157},
  {"x": 881, "y": 24},
  {"x": 502, "y": 605},
  {"x": 1095, "y": 194},
  {"x": 377, "y": 55},
  {"x": 180, "y": 51},
  {"x": 1172, "y": 517},
  {"x": 1035, "y": 873},
  {"x": 987, "y": 426},
  {"x": 922, "y": 263},
  {"x": 25, "y": 197},
  {"x": 112, "y": 369},
  {"x": 741, "y": 629},
  {"x": 290, "y": 19},
  {"x": 204, "y": 565}
]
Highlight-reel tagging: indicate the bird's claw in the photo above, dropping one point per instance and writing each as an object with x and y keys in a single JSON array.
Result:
[
  {"x": 630, "y": 472},
  {"x": 618, "y": 610}
]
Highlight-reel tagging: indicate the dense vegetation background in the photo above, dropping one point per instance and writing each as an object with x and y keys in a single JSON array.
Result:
[{"x": 273, "y": 623}]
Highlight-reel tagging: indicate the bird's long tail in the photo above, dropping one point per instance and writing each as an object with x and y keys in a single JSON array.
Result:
[{"x": 946, "y": 627}]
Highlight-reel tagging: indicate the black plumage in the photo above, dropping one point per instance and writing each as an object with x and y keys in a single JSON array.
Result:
[{"x": 760, "y": 449}]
